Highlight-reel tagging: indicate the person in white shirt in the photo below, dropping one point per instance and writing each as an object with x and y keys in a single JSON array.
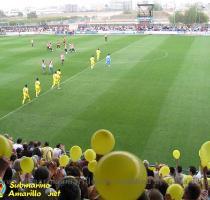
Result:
[
  {"x": 57, "y": 152},
  {"x": 18, "y": 144}
]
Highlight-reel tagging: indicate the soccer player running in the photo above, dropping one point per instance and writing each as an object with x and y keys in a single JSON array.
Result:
[
  {"x": 51, "y": 67},
  {"x": 65, "y": 48},
  {"x": 49, "y": 46},
  {"x": 58, "y": 44},
  {"x": 26, "y": 94},
  {"x": 98, "y": 53},
  {"x": 71, "y": 48},
  {"x": 43, "y": 66},
  {"x": 106, "y": 38},
  {"x": 108, "y": 60},
  {"x": 37, "y": 87},
  {"x": 55, "y": 80},
  {"x": 59, "y": 78},
  {"x": 62, "y": 58},
  {"x": 64, "y": 40},
  {"x": 32, "y": 43},
  {"x": 92, "y": 62}
]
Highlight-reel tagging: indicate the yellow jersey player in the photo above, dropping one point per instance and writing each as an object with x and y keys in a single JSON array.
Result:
[
  {"x": 59, "y": 77},
  {"x": 98, "y": 53},
  {"x": 55, "y": 80},
  {"x": 25, "y": 94},
  {"x": 37, "y": 87},
  {"x": 92, "y": 62}
]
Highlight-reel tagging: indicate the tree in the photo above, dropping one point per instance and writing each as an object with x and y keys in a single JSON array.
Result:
[
  {"x": 32, "y": 15},
  {"x": 202, "y": 17},
  {"x": 157, "y": 7},
  {"x": 2, "y": 14},
  {"x": 193, "y": 15},
  {"x": 178, "y": 17}
]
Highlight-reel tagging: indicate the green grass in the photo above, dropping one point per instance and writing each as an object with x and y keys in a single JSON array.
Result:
[{"x": 154, "y": 98}]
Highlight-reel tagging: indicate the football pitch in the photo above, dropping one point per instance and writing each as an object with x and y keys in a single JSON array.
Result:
[{"x": 154, "y": 98}]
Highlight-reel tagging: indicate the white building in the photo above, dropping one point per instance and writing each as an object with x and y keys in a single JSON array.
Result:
[{"x": 71, "y": 8}]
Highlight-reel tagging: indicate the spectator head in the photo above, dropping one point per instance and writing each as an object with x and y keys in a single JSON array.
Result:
[
  {"x": 150, "y": 183},
  {"x": 25, "y": 146},
  {"x": 35, "y": 144},
  {"x": 73, "y": 171},
  {"x": 16, "y": 165},
  {"x": 192, "y": 170},
  {"x": 179, "y": 169},
  {"x": 58, "y": 146},
  {"x": 162, "y": 186},
  {"x": 172, "y": 171},
  {"x": 13, "y": 157},
  {"x": 41, "y": 174},
  {"x": 19, "y": 140},
  {"x": 18, "y": 150},
  {"x": 85, "y": 171},
  {"x": 31, "y": 143},
  {"x": 39, "y": 144},
  {"x": 154, "y": 194},
  {"x": 192, "y": 192},
  {"x": 46, "y": 144},
  {"x": 69, "y": 189},
  {"x": 146, "y": 163}
]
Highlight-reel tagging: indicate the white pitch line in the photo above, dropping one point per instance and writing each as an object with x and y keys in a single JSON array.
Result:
[{"x": 44, "y": 93}]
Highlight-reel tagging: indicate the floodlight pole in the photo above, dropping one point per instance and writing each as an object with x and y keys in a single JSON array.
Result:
[{"x": 174, "y": 13}]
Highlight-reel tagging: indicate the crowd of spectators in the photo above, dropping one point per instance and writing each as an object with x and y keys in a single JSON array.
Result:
[
  {"x": 64, "y": 29},
  {"x": 142, "y": 27},
  {"x": 58, "y": 29},
  {"x": 107, "y": 27},
  {"x": 75, "y": 181}
]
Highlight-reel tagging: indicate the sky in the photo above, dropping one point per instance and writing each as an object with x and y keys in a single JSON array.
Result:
[{"x": 43, "y": 3}]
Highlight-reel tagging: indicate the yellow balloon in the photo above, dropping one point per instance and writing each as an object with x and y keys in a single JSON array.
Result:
[
  {"x": 27, "y": 165},
  {"x": 102, "y": 142},
  {"x": 169, "y": 180},
  {"x": 205, "y": 154},
  {"x": 176, "y": 154},
  {"x": 90, "y": 155},
  {"x": 164, "y": 171},
  {"x": 186, "y": 180},
  {"x": 175, "y": 191},
  {"x": 120, "y": 176},
  {"x": 5, "y": 147},
  {"x": 63, "y": 160},
  {"x": 92, "y": 165},
  {"x": 208, "y": 165},
  {"x": 75, "y": 153}
]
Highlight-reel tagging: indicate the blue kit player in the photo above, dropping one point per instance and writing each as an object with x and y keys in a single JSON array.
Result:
[{"x": 108, "y": 60}]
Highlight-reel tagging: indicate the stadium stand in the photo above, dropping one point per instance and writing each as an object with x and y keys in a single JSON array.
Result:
[{"x": 102, "y": 28}]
